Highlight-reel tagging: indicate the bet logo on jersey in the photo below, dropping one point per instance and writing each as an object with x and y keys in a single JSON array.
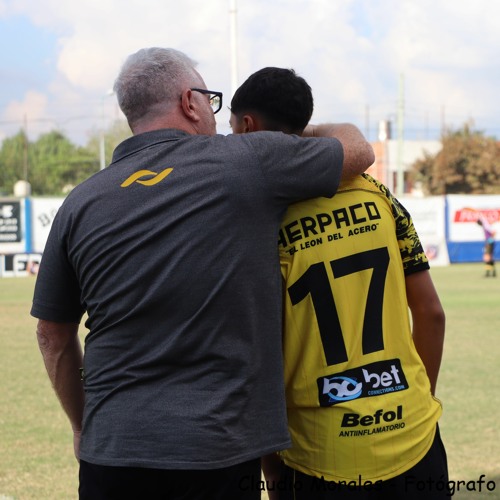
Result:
[{"x": 365, "y": 381}]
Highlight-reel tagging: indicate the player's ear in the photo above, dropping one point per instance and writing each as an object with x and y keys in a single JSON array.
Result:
[{"x": 250, "y": 124}]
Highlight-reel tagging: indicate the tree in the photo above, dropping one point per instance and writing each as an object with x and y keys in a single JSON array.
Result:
[
  {"x": 14, "y": 161},
  {"x": 53, "y": 164},
  {"x": 468, "y": 163},
  {"x": 58, "y": 165}
]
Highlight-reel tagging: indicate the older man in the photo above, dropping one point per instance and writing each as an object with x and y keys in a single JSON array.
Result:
[{"x": 171, "y": 251}]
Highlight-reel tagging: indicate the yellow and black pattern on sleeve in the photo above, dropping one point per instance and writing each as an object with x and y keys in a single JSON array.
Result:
[{"x": 412, "y": 252}]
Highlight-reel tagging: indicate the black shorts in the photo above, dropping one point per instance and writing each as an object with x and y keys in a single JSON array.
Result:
[
  {"x": 427, "y": 480},
  {"x": 99, "y": 482}
]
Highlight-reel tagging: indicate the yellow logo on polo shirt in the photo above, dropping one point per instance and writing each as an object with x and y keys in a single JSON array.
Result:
[{"x": 154, "y": 178}]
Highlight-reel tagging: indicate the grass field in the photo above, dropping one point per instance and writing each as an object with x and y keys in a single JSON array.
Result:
[{"x": 36, "y": 458}]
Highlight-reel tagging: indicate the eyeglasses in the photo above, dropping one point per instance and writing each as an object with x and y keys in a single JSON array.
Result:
[{"x": 214, "y": 97}]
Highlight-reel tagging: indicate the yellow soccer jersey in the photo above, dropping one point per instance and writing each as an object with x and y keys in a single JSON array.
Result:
[{"x": 358, "y": 397}]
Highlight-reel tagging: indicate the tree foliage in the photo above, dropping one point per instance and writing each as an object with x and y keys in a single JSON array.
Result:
[
  {"x": 57, "y": 165},
  {"x": 468, "y": 163},
  {"x": 53, "y": 164},
  {"x": 13, "y": 161}
]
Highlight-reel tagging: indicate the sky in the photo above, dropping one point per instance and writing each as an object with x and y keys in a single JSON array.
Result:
[{"x": 423, "y": 65}]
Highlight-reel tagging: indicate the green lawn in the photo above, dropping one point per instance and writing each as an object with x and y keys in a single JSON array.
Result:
[
  {"x": 36, "y": 457},
  {"x": 469, "y": 385}
]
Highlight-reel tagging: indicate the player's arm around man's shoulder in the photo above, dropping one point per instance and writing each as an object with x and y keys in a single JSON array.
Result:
[{"x": 358, "y": 152}]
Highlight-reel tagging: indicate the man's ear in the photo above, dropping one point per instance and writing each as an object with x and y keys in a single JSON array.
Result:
[{"x": 189, "y": 106}]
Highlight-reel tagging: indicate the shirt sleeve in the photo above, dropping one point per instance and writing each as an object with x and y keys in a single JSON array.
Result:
[
  {"x": 298, "y": 168},
  {"x": 57, "y": 294}
]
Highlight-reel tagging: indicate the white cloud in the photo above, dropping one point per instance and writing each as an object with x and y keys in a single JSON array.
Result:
[
  {"x": 351, "y": 52},
  {"x": 31, "y": 111}
]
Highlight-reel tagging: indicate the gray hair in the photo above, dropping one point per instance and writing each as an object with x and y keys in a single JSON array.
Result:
[{"x": 151, "y": 80}]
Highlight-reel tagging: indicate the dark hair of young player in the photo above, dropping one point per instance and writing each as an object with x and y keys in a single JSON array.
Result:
[{"x": 282, "y": 100}]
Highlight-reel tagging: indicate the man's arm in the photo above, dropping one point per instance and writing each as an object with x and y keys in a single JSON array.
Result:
[
  {"x": 358, "y": 153},
  {"x": 428, "y": 322},
  {"x": 63, "y": 358}
]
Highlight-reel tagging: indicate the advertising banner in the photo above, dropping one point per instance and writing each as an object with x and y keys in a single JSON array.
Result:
[
  {"x": 464, "y": 211},
  {"x": 43, "y": 211},
  {"x": 12, "y": 238},
  {"x": 428, "y": 215},
  {"x": 19, "y": 265},
  {"x": 465, "y": 236}
]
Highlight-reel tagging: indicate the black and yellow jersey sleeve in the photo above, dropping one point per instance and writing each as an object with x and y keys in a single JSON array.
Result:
[{"x": 412, "y": 252}]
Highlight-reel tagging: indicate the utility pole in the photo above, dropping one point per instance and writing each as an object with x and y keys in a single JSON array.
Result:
[
  {"x": 367, "y": 122},
  {"x": 25, "y": 149},
  {"x": 400, "y": 172},
  {"x": 102, "y": 136},
  {"x": 233, "y": 11},
  {"x": 443, "y": 121}
]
